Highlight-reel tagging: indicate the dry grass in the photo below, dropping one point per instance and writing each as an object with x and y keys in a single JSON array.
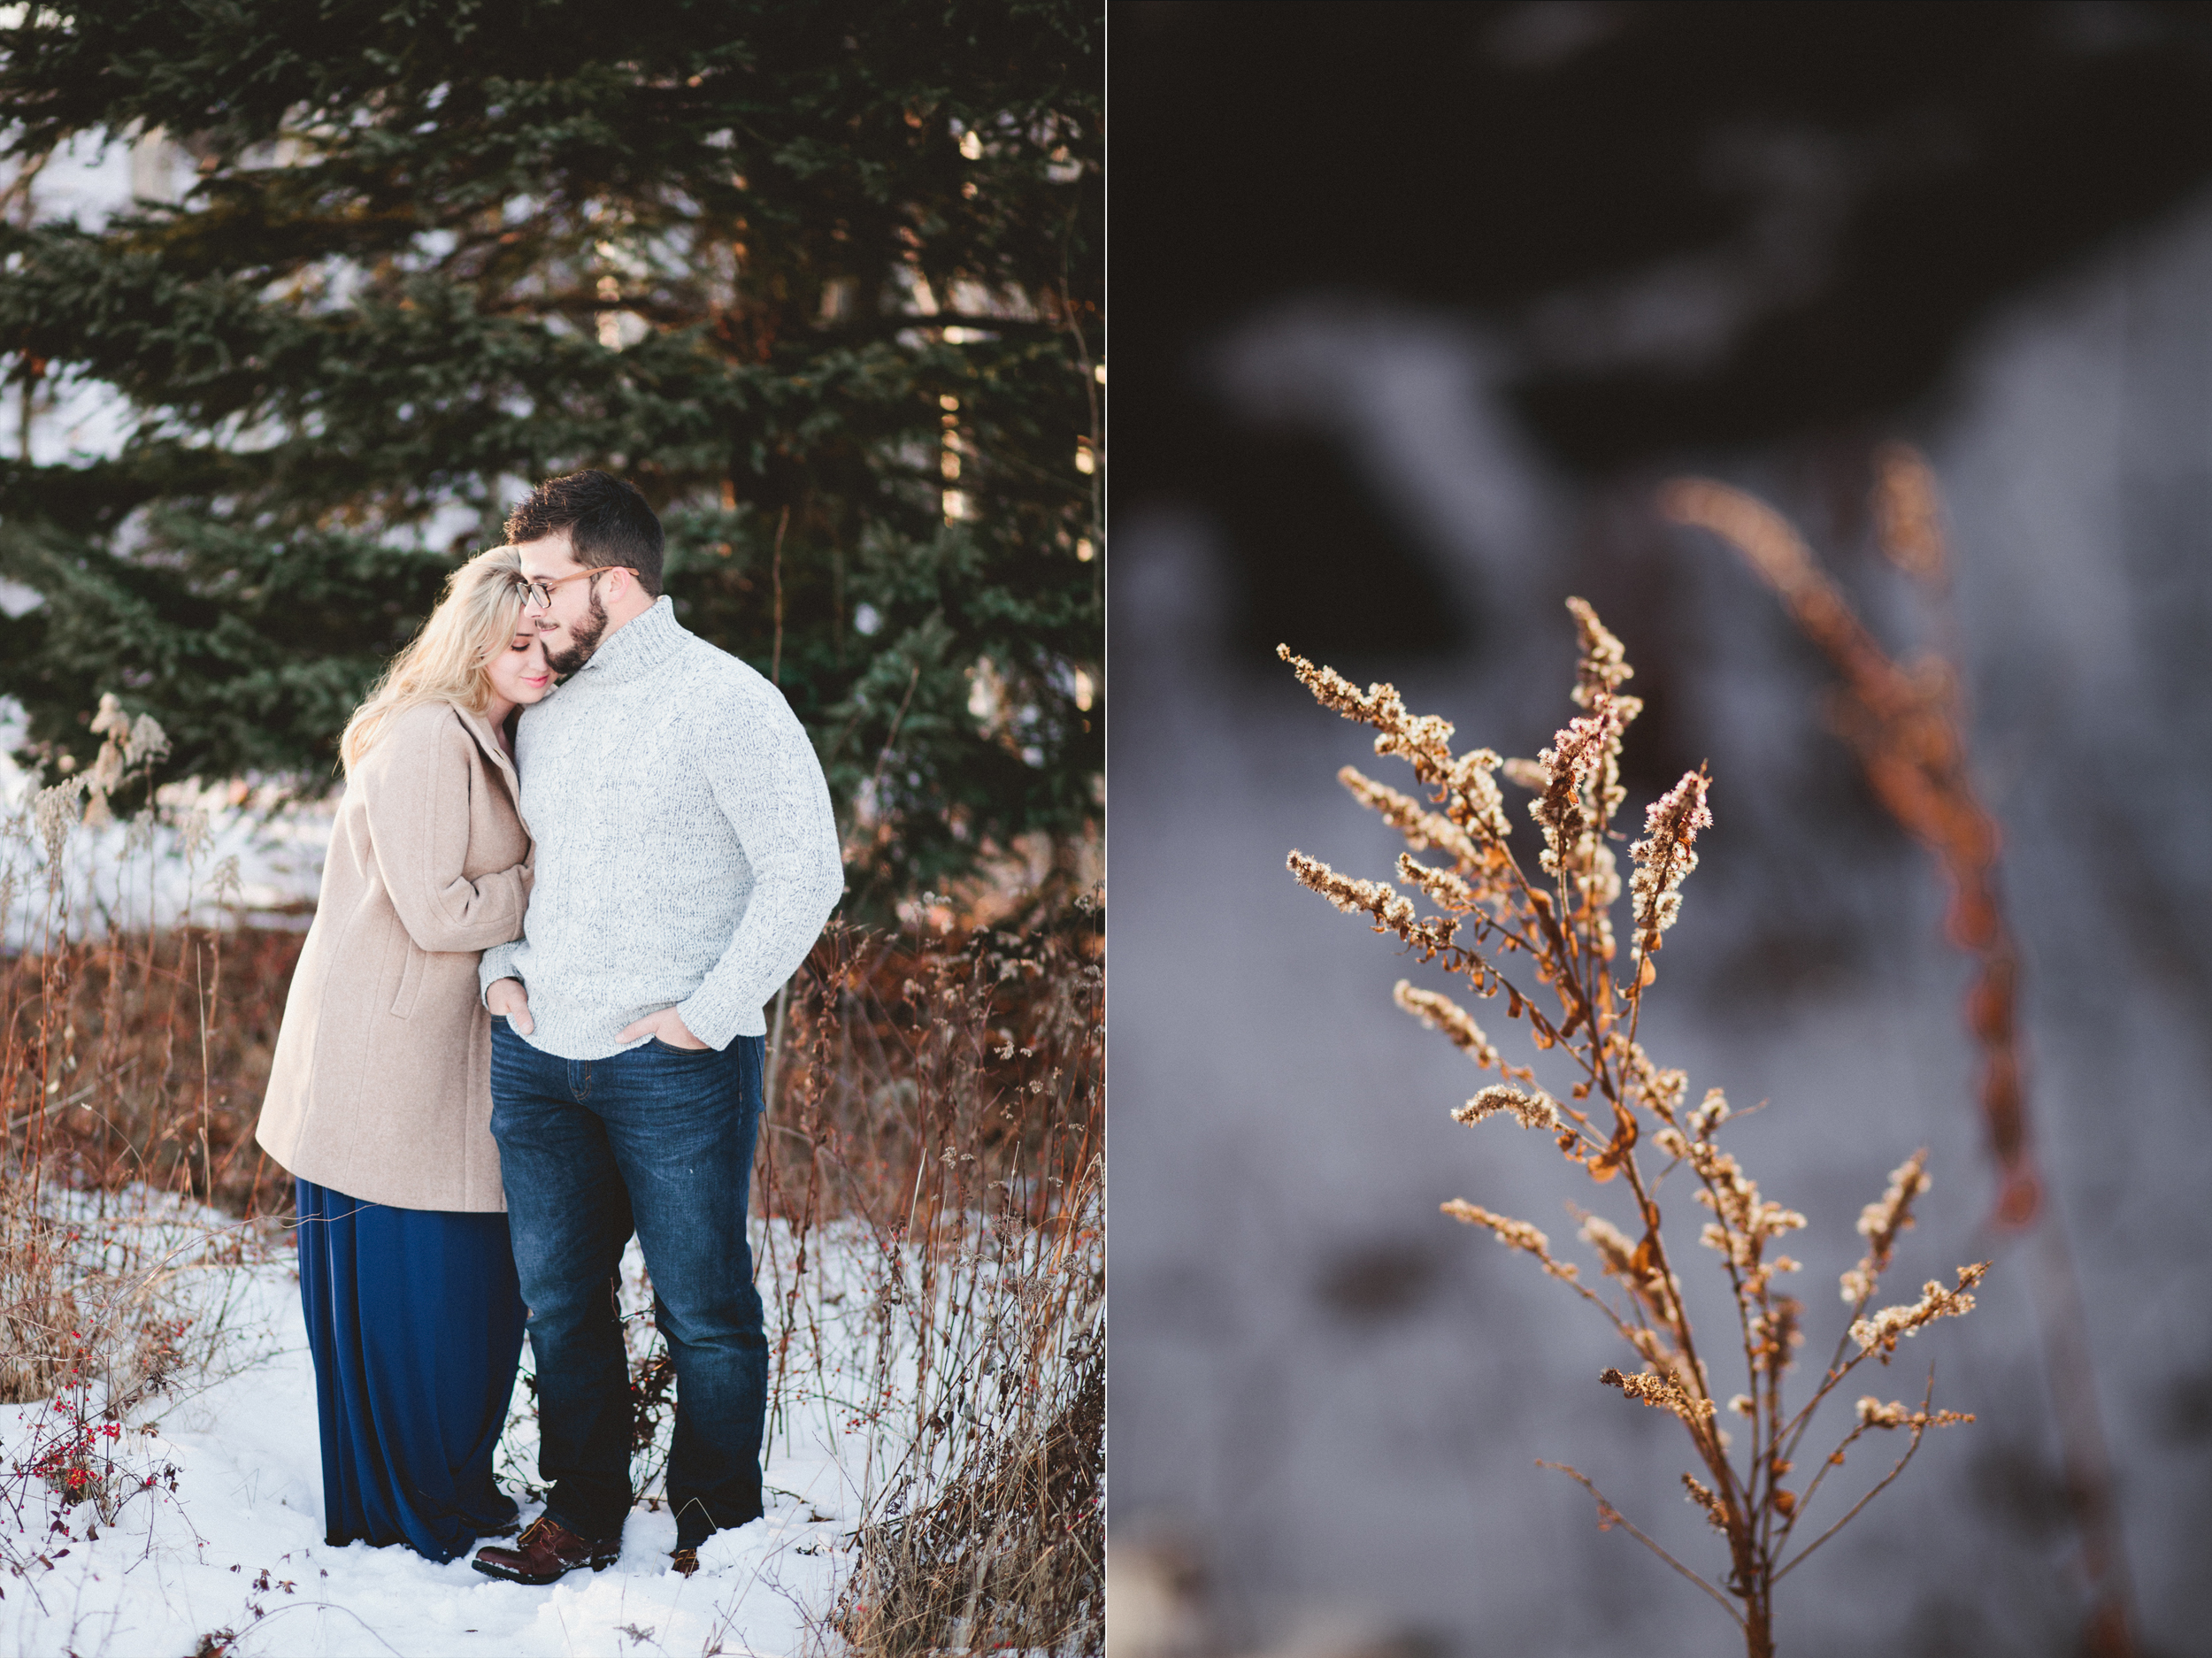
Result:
[
  {"x": 160, "y": 1042},
  {"x": 1543, "y": 938},
  {"x": 941, "y": 1099},
  {"x": 127, "y": 1082},
  {"x": 135, "y": 1048}
]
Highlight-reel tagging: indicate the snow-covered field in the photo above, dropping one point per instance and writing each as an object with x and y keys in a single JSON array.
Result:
[{"x": 224, "y": 1552}]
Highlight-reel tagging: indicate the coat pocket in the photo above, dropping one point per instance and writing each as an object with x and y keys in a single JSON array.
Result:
[{"x": 409, "y": 981}]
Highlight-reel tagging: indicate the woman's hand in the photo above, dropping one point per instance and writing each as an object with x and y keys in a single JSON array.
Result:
[
  {"x": 508, "y": 996},
  {"x": 666, "y": 1024}
]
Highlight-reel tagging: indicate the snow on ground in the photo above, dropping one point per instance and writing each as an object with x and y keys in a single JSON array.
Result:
[{"x": 237, "y": 1545}]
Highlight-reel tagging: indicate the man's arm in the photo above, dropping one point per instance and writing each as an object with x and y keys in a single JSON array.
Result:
[
  {"x": 498, "y": 963},
  {"x": 769, "y": 784}
]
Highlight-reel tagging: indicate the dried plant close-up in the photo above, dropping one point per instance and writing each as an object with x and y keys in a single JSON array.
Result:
[{"x": 1545, "y": 939}]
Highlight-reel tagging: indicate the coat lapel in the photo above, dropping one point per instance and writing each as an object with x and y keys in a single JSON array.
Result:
[{"x": 495, "y": 751}]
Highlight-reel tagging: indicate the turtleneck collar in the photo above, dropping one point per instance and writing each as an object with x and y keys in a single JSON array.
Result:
[{"x": 638, "y": 646}]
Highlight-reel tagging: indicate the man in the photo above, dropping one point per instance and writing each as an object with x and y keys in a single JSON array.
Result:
[{"x": 686, "y": 859}]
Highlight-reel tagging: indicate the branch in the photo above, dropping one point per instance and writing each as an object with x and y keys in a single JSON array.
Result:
[
  {"x": 1565, "y": 1271},
  {"x": 1610, "y": 1516},
  {"x": 1799, "y": 1424},
  {"x": 1805, "y": 1498},
  {"x": 1919, "y": 1427}
]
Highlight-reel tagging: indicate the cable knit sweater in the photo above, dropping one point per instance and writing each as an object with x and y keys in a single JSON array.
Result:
[{"x": 687, "y": 855}]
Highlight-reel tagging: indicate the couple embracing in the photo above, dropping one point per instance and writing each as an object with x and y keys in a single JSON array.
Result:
[{"x": 525, "y": 1024}]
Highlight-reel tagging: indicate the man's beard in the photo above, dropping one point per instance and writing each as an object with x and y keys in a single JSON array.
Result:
[{"x": 583, "y": 639}]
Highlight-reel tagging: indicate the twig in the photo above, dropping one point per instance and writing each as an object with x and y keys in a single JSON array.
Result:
[
  {"x": 775, "y": 658},
  {"x": 1919, "y": 1427},
  {"x": 1608, "y": 1516}
]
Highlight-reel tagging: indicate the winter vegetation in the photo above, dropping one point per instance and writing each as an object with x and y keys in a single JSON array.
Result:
[
  {"x": 1442, "y": 296},
  {"x": 1545, "y": 941}
]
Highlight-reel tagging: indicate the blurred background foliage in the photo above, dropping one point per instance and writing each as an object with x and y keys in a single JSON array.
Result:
[
  {"x": 824, "y": 282},
  {"x": 1683, "y": 228}
]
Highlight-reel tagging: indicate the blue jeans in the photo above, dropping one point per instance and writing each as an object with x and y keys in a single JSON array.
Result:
[{"x": 659, "y": 1140}]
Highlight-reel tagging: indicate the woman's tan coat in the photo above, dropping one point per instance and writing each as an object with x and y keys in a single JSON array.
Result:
[{"x": 381, "y": 1084}]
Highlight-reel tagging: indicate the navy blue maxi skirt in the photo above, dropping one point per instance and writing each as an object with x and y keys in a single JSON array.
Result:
[{"x": 415, "y": 1321}]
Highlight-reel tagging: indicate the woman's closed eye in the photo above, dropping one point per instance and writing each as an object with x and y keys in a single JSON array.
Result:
[{"x": 522, "y": 673}]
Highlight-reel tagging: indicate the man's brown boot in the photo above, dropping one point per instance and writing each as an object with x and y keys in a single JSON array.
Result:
[{"x": 546, "y": 1551}]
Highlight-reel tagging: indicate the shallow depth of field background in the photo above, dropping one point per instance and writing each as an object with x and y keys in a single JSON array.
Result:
[{"x": 1419, "y": 304}]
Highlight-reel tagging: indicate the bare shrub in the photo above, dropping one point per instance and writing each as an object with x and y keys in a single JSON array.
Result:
[{"x": 944, "y": 1097}]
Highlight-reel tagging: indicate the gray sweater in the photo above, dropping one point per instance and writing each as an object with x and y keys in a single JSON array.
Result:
[{"x": 687, "y": 855}]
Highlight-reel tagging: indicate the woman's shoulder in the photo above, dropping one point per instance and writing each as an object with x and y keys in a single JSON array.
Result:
[{"x": 417, "y": 736}]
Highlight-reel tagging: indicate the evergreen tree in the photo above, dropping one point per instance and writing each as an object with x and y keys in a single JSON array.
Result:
[{"x": 823, "y": 281}]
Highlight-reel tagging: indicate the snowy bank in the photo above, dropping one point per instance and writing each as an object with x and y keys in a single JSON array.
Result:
[{"x": 216, "y": 1542}]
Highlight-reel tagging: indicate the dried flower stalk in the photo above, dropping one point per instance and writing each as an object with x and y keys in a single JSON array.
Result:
[{"x": 1544, "y": 940}]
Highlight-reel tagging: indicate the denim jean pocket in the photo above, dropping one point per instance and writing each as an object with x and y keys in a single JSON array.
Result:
[{"x": 681, "y": 1053}]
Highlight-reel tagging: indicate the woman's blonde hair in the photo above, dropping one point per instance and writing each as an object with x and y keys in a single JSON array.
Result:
[{"x": 450, "y": 660}]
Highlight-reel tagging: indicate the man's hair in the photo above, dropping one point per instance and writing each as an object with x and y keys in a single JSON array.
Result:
[{"x": 607, "y": 520}]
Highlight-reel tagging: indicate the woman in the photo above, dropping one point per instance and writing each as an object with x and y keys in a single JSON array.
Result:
[{"x": 380, "y": 1096}]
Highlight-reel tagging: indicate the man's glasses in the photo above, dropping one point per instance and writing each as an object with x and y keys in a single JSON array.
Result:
[{"x": 540, "y": 591}]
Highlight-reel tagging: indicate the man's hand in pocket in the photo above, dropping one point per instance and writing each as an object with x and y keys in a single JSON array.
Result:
[
  {"x": 507, "y": 996},
  {"x": 664, "y": 1024}
]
